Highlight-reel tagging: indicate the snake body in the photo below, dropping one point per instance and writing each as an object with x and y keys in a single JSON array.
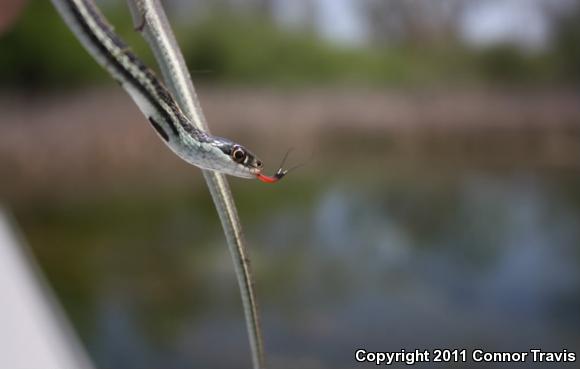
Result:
[{"x": 153, "y": 98}]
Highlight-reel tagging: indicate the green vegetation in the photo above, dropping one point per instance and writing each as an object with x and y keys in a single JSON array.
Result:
[
  {"x": 243, "y": 50},
  {"x": 41, "y": 52}
]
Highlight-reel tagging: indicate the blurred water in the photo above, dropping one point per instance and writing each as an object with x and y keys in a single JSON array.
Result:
[{"x": 465, "y": 260}]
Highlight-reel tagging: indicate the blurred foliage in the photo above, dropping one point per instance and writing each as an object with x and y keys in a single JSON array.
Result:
[
  {"x": 566, "y": 48},
  {"x": 40, "y": 51},
  {"x": 241, "y": 49},
  {"x": 250, "y": 51},
  {"x": 508, "y": 64}
]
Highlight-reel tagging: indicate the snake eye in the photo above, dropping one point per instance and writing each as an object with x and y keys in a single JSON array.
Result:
[{"x": 238, "y": 155}]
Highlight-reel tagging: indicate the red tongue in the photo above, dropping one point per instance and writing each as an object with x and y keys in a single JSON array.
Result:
[{"x": 267, "y": 179}]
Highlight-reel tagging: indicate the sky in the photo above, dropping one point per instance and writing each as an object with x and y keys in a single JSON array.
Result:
[
  {"x": 506, "y": 21},
  {"x": 340, "y": 21}
]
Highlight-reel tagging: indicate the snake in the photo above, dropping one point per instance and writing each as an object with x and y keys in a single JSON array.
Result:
[{"x": 154, "y": 100}]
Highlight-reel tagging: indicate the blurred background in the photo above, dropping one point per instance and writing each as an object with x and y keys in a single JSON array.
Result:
[{"x": 440, "y": 209}]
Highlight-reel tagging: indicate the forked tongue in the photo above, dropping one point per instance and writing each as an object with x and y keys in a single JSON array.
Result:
[{"x": 273, "y": 179}]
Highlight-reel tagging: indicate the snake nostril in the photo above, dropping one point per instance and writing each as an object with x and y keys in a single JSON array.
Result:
[{"x": 259, "y": 163}]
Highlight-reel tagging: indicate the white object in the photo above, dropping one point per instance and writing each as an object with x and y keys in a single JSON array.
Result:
[{"x": 34, "y": 333}]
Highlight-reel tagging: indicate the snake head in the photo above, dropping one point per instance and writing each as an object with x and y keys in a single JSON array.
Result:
[
  {"x": 236, "y": 160},
  {"x": 245, "y": 157}
]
